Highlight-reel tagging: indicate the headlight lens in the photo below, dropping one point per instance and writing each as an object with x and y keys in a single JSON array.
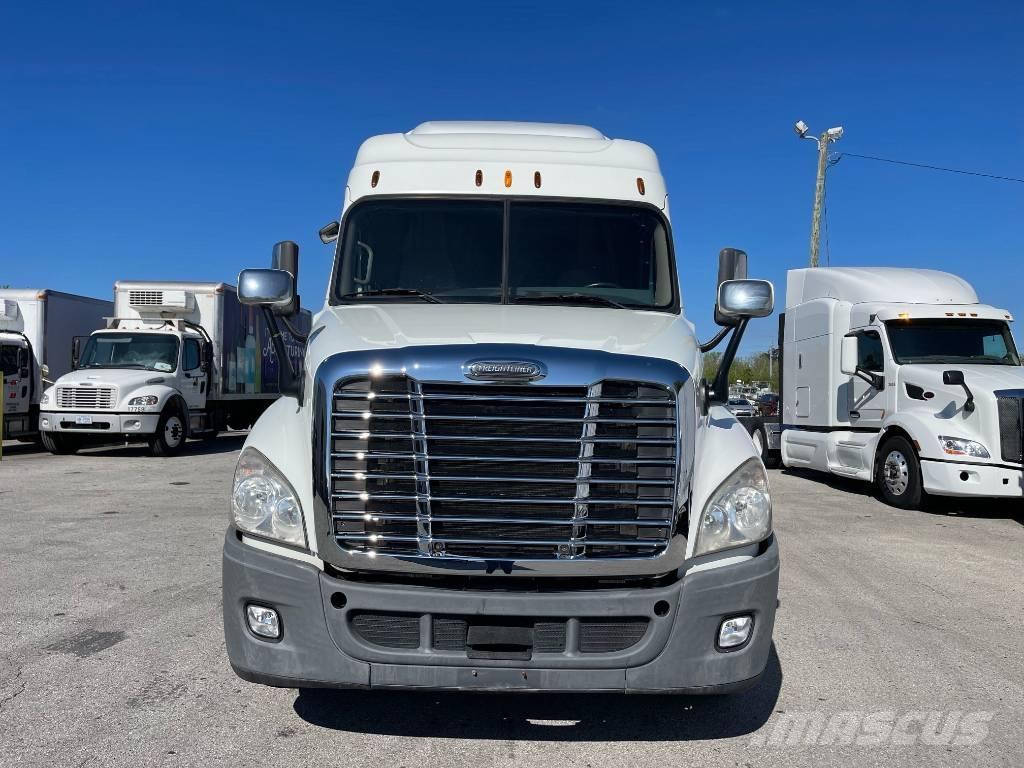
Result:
[
  {"x": 958, "y": 446},
  {"x": 738, "y": 512},
  {"x": 45, "y": 398},
  {"x": 144, "y": 400},
  {"x": 262, "y": 501}
]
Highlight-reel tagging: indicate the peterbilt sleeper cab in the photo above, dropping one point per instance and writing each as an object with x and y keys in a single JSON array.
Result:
[{"x": 501, "y": 467}]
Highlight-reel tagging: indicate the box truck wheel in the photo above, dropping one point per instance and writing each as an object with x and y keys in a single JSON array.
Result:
[
  {"x": 59, "y": 444},
  {"x": 899, "y": 473},
  {"x": 170, "y": 433}
]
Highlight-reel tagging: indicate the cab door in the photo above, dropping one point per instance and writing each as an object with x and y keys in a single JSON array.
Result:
[
  {"x": 868, "y": 404},
  {"x": 194, "y": 379},
  {"x": 17, "y": 387}
]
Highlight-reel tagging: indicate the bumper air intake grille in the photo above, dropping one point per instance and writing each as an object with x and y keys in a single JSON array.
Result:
[
  {"x": 496, "y": 471},
  {"x": 1011, "y": 427},
  {"x": 101, "y": 398}
]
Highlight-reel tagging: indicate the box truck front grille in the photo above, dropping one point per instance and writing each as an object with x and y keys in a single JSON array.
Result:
[
  {"x": 92, "y": 398},
  {"x": 503, "y": 471},
  {"x": 1011, "y": 427}
]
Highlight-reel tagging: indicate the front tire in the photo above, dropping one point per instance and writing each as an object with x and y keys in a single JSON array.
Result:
[
  {"x": 170, "y": 434},
  {"x": 59, "y": 444},
  {"x": 898, "y": 474}
]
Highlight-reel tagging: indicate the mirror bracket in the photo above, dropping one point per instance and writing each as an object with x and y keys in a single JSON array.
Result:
[{"x": 874, "y": 379}]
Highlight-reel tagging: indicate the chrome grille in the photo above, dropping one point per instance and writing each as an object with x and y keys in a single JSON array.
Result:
[
  {"x": 472, "y": 470},
  {"x": 1011, "y": 434},
  {"x": 93, "y": 398}
]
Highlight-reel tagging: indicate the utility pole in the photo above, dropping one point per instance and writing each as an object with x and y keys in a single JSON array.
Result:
[{"x": 830, "y": 136}]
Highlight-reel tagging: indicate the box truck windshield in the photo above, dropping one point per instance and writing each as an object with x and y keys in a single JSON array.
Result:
[
  {"x": 974, "y": 342},
  {"x": 150, "y": 351},
  {"x": 492, "y": 251}
]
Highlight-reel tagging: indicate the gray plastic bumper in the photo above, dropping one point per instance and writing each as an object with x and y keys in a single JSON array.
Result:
[{"x": 319, "y": 649}]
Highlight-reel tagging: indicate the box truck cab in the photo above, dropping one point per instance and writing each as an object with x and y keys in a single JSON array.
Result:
[
  {"x": 36, "y": 331},
  {"x": 901, "y": 377},
  {"x": 502, "y": 469},
  {"x": 177, "y": 360}
]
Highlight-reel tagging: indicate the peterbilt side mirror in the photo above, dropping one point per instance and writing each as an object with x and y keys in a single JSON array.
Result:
[
  {"x": 329, "y": 232},
  {"x": 271, "y": 288},
  {"x": 738, "y": 299},
  {"x": 956, "y": 379},
  {"x": 848, "y": 356}
]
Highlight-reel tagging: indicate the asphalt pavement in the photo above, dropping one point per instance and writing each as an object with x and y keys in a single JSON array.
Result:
[{"x": 898, "y": 642}]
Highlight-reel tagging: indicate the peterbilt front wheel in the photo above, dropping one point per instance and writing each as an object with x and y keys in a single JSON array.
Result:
[{"x": 899, "y": 473}]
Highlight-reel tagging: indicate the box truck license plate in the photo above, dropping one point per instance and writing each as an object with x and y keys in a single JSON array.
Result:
[{"x": 83, "y": 420}]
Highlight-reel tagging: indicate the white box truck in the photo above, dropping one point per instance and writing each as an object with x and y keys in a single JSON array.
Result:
[
  {"x": 899, "y": 377},
  {"x": 36, "y": 331},
  {"x": 177, "y": 359},
  {"x": 501, "y": 468}
]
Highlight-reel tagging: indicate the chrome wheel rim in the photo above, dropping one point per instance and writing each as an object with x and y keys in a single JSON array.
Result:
[
  {"x": 896, "y": 473},
  {"x": 173, "y": 431}
]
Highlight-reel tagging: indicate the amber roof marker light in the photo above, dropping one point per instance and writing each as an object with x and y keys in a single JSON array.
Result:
[
  {"x": 508, "y": 179},
  {"x": 640, "y": 186},
  {"x": 479, "y": 177},
  {"x": 536, "y": 179},
  {"x": 374, "y": 178}
]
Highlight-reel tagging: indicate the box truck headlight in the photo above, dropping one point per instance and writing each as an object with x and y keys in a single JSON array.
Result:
[
  {"x": 738, "y": 512},
  {"x": 144, "y": 400},
  {"x": 45, "y": 398},
  {"x": 262, "y": 501},
  {"x": 958, "y": 446}
]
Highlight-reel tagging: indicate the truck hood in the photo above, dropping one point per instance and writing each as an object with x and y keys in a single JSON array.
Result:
[
  {"x": 980, "y": 378},
  {"x": 379, "y": 326},
  {"x": 125, "y": 379}
]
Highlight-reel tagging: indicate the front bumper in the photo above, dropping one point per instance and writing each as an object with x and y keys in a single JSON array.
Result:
[
  {"x": 319, "y": 647},
  {"x": 103, "y": 423},
  {"x": 957, "y": 478}
]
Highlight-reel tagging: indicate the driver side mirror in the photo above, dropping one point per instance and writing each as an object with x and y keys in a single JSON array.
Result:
[
  {"x": 738, "y": 299},
  {"x": 272, "y": 288},
  {"x": 76, "y": 350},
  {"x": 848, "y": 356}
]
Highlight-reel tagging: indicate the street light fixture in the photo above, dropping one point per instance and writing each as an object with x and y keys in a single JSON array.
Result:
[{"x": 830, "y": 136}]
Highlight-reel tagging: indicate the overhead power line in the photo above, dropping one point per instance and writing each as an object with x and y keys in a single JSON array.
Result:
[{"x": 841, "y": 155}]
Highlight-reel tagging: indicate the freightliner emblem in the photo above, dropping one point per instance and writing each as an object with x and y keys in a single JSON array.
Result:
[{"x": 503, "y": 370}]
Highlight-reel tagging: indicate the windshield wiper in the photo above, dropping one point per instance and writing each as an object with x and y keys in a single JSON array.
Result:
[
  {"x": 394, "y": 292},
  {"x": 573, "y": 298}
]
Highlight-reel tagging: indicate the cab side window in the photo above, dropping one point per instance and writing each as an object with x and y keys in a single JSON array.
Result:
[
  {"x": 869, "y": 352},
  {"x": 190, "y": 355}
]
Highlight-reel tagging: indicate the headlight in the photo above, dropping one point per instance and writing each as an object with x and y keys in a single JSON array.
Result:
[
  {"x": 262, "y": 501},
  {"x": 144, "y": 400},
  {"x": 738, "y": 512},
  {"x": 45, "y": 398},
  {"x": 958, "y": 446}
]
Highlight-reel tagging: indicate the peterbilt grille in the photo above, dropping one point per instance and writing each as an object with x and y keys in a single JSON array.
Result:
[
  {"x": 1011, "y": 433},
  {"x": 503, "y": 471},
  {"x": 85, "y": 397}
]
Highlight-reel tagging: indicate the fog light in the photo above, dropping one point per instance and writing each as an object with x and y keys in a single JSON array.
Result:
[
  {"x": 44, "y": 423},
  {"x": 735, "y": 632},
  {"x": 263, "y": 621},
  {"x": 132, "y": 424}
]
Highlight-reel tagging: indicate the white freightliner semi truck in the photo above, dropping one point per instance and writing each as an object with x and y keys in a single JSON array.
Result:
[
  {"x": 177, "y": 359},
  {"x": 898, "y": 377},
  {"x": 501, "y": 468},
  {"x": 36, "y": 331}
]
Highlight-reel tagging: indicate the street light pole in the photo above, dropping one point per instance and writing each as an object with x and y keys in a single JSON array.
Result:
[{"x": 830, "y": 136}]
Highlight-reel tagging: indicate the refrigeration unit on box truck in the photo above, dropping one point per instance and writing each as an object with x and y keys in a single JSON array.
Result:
[
  {"x": 501, "y": 468},
  {"x": 899, "y": 377},
  {"x": 36, "y": 330},
  {"x": 175, "y": 360}
]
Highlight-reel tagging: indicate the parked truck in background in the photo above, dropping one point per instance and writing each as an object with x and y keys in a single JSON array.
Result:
[
  {"x": 502, "y": 468},
  {"x": 176, "y": 359},
  {"x": 899, "y": 377},
  {"x": 36, "y": 331}
]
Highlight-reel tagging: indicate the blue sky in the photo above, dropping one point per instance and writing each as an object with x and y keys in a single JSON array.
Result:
[{"x": 181, "y": 140}]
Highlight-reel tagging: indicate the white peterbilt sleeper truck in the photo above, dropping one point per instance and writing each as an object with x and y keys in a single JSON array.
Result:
[
  {"x": 900, "y": 377},
  {"x": 501, "y": 468},
  {"x": 178, "y": 359}
]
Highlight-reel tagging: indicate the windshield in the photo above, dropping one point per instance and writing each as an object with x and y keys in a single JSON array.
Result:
[
  {"x": 148, "y": 351},
  {"x": 984, "y": 342},
  {"x": 515, "y": 251}
]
